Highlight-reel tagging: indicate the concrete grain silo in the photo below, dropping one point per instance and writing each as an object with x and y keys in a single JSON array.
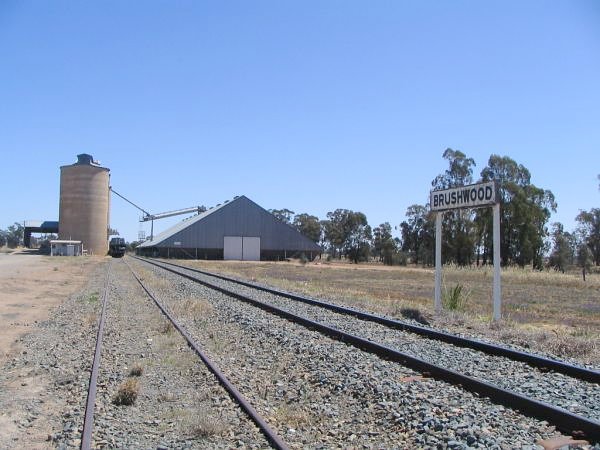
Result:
[{"x": 84, "y": 204}]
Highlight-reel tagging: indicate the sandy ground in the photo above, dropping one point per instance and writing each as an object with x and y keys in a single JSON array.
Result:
[{"x": 30, "y": 286}]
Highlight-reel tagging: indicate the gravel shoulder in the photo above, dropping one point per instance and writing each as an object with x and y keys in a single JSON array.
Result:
[{"x": 39, "y": 385}]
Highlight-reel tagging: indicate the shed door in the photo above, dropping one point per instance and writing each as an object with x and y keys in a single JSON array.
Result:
[
  {"x": 232, "y": 247},
  {"x": 251, "y": 249}
]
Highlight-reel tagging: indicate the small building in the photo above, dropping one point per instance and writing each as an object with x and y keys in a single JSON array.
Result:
[
  {"x": 238, "y": 229},
  {"x": 61, "y": 247}
]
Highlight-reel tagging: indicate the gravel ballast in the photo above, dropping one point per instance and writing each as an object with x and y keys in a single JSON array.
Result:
[
  {"x": 320, "y": 393},
  {"x": 574, "y": 395},
  {"x": 180, "y": 404}
]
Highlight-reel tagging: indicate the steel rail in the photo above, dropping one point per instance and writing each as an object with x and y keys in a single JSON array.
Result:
[
  {"x": 271, "y": 436},
  {"x": 88, "y": 421},
  {"x": 564, "y": 420},
  {"x": 540, "y": 362}
]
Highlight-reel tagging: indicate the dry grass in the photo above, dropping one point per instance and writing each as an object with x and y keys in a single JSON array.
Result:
[
  {"x": 136, "y": 370},
  {"x": 127, "y": 392},
  {"x": 292, "y": 416},
  {"x": 195, "y": 308},
  {"x": 202, "y": 424},
  {"x": 90, "y": 320},
  {"x": 197, "y": 423},
  {"x": 166, "y": 327},
  {"x": 216, "y": 344},
  {"x": 167, "y": 397},
  {"x": 535, "y": 303}
]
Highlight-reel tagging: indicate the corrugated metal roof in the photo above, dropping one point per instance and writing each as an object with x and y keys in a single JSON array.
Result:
[
  {"x": 184, "y": 224},
  {"x": 239, "y": 217}
]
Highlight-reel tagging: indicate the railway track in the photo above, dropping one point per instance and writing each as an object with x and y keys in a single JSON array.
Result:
[
  {"x": 533, "y": 360},
  {"x": 88, "y": 426},
  {"x": 566, "y": 421}
]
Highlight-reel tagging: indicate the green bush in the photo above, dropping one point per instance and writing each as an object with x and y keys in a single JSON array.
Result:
[
  {"x": 395, "y": 258},
  {"x": 303, "y": 259},
  {"x": 455, "y": 299}
]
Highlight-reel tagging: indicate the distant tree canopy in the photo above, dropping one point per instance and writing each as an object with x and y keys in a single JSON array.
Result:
[
  {"x": 417, "y": 234},
  {"x": 309, "y": 226},
  {"x": 347, "y": 233},
  {"x": 564, "y": 247},
  {"x": 589, "y": 232},
  {"x": 525, "y": 211},
  {"x": 13, "y": 236},
  {"x": 467, "y": 235},
  {"x": 384, "y": 246},
  {"x": 285, "y": 215},
  {"x": 457, "y": 226}
]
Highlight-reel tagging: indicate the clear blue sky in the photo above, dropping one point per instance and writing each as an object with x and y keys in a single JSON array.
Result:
[{"x": 306, "y": 105}]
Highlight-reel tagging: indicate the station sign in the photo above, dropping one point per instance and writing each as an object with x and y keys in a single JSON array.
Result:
[{"x": 470, "y": 196}]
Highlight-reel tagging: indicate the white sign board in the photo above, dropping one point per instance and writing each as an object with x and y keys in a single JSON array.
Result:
[{"x": 471, "y": 196}]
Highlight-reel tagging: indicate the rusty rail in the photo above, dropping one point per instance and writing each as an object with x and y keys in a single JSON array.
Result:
[
  {"x": 538, "y": 361},
  {"x": 271, "y": 436},
  {"x": 88, "y": 421}
]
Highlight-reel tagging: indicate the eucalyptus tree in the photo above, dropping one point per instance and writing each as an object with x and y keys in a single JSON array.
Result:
[
  {"x": 357, "y": 246},
  {"x": 589, "y": 230},
  {"x": 564, "y": 247},
  {"x": 347, "y": 232},
  {"x": 13, "y": 235},
  {"x": 458, "y": 240},
  {"x": 285, "y": 215},
  {"x": 417, "y": 234},
  {"x": 384, "y": 245},
  {"x": 525, "y": 211},
  {"x": 309, "y": 226}
]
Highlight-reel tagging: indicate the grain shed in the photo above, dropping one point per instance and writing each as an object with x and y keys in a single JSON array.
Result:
[{"x": 239, "y": 230}]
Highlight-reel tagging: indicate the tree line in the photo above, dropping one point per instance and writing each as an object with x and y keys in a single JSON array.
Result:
[
  {"x": 467, "y": 234},
  {"x": 345, "y": 233},
  {"x": 12, "y": 236}
]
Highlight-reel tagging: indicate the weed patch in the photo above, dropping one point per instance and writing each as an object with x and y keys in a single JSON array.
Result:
[
  {"x": 203, "y": 425},
  {"x": 136, "y": 370},
  {"x": 92, "y": 299},
  {"x": 166, "y": 327},
  {"x": 127, "y": 393},
  {"x": 291, "y": 416},
  {"x": 195, "y": 308},
  {"x": 414, "y": 314},
  {"x": 455, "y": 298}
]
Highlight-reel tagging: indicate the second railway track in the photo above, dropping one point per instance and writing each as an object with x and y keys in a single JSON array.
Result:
[
  {"x": 555, "y": 389},
  {"x": 176, "y": 402}
]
